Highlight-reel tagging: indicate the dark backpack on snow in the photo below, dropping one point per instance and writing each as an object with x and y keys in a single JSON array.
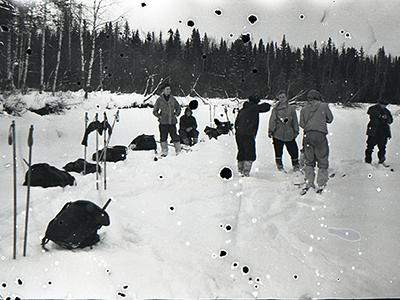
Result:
[
  {"x": 143, "y": 142},
  {"x": 45, "y": 176},
  {"x": 113, "y": 154},
  {"x": 76, "y": 225}
]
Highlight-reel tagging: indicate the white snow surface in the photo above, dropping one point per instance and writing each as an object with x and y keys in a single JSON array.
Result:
[{"x": 343, "y": 243}]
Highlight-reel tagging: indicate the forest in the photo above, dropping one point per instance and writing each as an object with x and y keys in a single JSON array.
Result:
[{"x": 66, "y": 45}]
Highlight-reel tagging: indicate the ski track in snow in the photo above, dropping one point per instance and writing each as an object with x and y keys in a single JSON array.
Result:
[{"x": 294, "y": 245}]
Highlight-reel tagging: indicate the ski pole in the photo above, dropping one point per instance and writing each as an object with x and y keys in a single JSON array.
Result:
[
  {"x": 97, "y": 155},
  {"x": 12, "y": 141},
  {"x": 30, "y": 144},
  {"x": 105, "y": 205},
  {"x": 105, "y": 151},
  {"x": 85, "y": 147}
]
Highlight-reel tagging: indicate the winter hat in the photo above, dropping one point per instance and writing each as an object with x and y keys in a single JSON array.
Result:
[
  {"x": 314, "y": 95},
  {"x": 167, "y": 84},
  {"x": 383, "y": 101},
  {"x": 254, "y": 98},
  {"x": 188, "y": 110}
]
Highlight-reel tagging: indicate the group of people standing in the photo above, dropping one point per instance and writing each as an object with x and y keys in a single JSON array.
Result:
[{"x": 284, "y": 127}]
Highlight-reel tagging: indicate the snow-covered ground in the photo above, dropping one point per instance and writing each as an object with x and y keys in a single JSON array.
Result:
[{"x": 343, "y": 243}]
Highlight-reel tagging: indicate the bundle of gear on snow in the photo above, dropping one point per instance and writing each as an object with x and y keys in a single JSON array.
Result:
[
  {"x": 113, "y": 154},
  {"x": 45, "y": 176},
  {"x": 143, "y": 142},
  {"x": 78, "y": 167},
  {"x": 93, "y": 126},
  {"x": 222, "y": 128},
  {"x": 76, "y": 225}
]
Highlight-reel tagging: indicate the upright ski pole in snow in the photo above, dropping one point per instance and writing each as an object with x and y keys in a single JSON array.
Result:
[
  {"x": 30, "y": 144},
  {"x": 97, "y": 155},
  {"x": 105, "y": 150},
  {"x": 12, "y": 141},
  {"x": 85, "y": 146}
]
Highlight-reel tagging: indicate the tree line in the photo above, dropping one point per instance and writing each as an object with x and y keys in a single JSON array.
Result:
[{"x": 64, "y": 45}]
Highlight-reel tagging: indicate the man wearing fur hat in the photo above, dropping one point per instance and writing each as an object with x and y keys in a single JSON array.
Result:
[
  {"x": 314, "y": 117},
  {"x": 246, "y": 126},
  {"x": 378, "y": 131},
  {"x": 167, "y": 109}
]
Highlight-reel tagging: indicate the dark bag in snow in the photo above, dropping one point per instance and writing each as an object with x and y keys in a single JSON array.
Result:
[
  {"x": 222, "y": 128},
  {"x": 113, "y": 154},
  {"x": 143, "y": 142},
  {"x": 45, "y": 176},
  {"x": 76, "y": 225},
  {"x": 78, "y": 166}
]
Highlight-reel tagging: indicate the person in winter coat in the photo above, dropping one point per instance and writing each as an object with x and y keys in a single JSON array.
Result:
[
  {"x": 167, "y": 109},
  {"x": 188, "y": 128},
  {"x": 246, "y": 126},
  {"x": 378, "y": 131},
  {"x": 284, "y": 128},
  {"x": 314, "y": 118}
]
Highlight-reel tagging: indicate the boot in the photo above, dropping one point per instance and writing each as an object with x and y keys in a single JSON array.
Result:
[
  {"x": 279, "y": 164},
  {"x": 178, "y": 148},
  {"x": 164, "y": 149},
  {"x": 247, "y": 167},
  {"x": 240, "y": 167},
  {"x": 186, "y": 142},
  {"x": 296, "y": 165},
  {"x": 195, "y": 141}
]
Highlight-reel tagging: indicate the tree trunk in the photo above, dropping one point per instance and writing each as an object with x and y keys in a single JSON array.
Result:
[
  {"x": 69, "y": 39},
  {"x": 101, "y": 68},
  {"x": 90, "y": 68},
  {"x": 58, "y": 59},
  {"x": 20, "y": 59},
  {"x": 42, "y": 51},
  {"x": 26, "y": 64},
  {"x": 81, "y": 48},
  {"x": 10, "y": 81},
  {"x": 93, "y": 48},
  {"x": 15, "y": 59}
]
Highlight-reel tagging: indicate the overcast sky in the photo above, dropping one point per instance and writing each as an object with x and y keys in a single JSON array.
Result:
[{"x": 369, "y": 23}]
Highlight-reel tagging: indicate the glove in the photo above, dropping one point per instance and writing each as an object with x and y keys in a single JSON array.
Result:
[
  {"x": 270, "y": 134},
  {"x": 188, "y": 129}
]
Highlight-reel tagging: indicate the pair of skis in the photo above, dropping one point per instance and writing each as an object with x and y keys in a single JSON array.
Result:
[{"x": 12, "y": 142}]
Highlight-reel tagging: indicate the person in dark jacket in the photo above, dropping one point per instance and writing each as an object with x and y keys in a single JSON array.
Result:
[
  {"x": 378, "y": 131},
  {"x": 284, "y": 128},
  {"x": 188, "y": 128},
  {"x": 166, "y": 109},
  {"x": 246, "y": 126}
]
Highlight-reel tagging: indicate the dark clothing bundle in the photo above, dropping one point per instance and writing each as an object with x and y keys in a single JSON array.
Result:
[
  {"x": 78, "y": 167},
  {"x": 76, "y": 225},
  {"x": 113, "y": 154},
  {"x": 143, "y": 143},
  {"x": 46, "y": 176},
  {"x": 222, "y": 128},
  {"x": 96, "y": 125},
  {"x": 378, "y": 131}
]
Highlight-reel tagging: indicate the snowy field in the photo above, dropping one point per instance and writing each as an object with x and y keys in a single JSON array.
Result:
[{"x": 343, "y": 243}]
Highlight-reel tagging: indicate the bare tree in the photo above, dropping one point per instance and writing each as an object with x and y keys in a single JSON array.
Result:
[
  {"x": 42, "y": 50},
  {"x": 60, "y": 38}
]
